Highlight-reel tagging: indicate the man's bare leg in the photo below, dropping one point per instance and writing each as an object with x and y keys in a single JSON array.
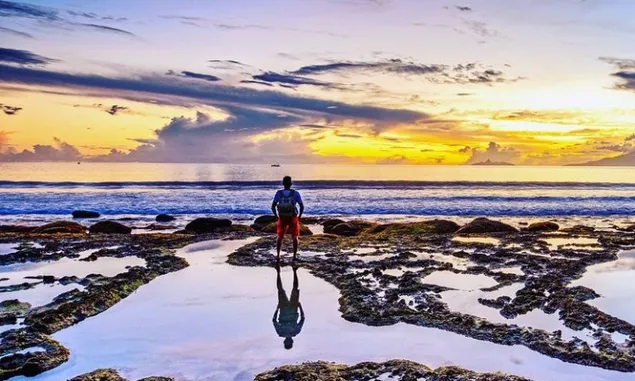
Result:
[
  {"x": 279, "y": 246},
  {"x": 296, "y": 241}
]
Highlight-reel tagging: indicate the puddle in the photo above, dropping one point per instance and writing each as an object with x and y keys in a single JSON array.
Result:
[
  {"x": 369, "y": 258},
  {"x": 8, "y": 248},
  {"x": 360, "y": 250},
  {"x": 467, "y": 282},
  {"x": 467, "y": 303},
  {"x": 614, "y": 282},
  {"x": 573, "y": 243},
  {"x": 484, "y": 240},
  {"x": 212, "y": 321},
  {"x": 106, "y": 266},
  {"x": 511, "y": 270},
  {"x": 41, "y": 294}
]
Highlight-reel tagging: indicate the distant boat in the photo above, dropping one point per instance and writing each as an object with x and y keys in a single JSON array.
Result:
[{"x": 275, "y": 165}]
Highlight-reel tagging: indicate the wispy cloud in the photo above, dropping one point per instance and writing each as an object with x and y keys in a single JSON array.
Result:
[
  {"x": 9, "y": 110},
  {"x": 16, "y": 32},
  {"x": 24, "y": 10},
  {"x": 104, "y": 28},
  {"x": 114, "y": 109},
  {"x": 23, "y": 57},
  {"x": 291, "y": 80},
  {"x": 469, "y": 73},
  {"x": 625, "y": 73},
  {"x": 190, "y": 74}
]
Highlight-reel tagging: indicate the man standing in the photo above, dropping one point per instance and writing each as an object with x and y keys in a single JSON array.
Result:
[{"x": 285, "y": 208}]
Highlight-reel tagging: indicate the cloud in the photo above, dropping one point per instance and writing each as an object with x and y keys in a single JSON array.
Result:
[
  {"x": 291, "y": 80},
  {"x": 630, "y": 138},
  {"x": 60, "y": 151},
  {"x": 392, "y": 160},
  {"x": 15, "y": 32},
  {"x": 104, "y": 28},
  {"x": 468, "y": 73},
  {"x": 114, "y": 109},
  {"x": 23, "y": 10},
  {"x": 9, "y": 110},
  {"x": 94, "y": 16},
  {"x": 625, "y": 73},
  {"x": 23, "y": 57},
  {"x": 480, "y": 28},
  {"x": 463, "y": 8},
  {"x": 211, "y": 94},
  {"x": 256, "y": 83},
  {"x": 190, "y": 74},
  {"x": 494, "y": 153}
]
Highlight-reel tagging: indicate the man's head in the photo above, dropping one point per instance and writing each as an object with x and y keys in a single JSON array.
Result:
[
  {"x": 286, "y": 182},
  {"x": 288, "y": 343}
]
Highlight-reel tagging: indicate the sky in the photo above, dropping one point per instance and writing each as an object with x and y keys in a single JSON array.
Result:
[{"x": 528, "y": 82}]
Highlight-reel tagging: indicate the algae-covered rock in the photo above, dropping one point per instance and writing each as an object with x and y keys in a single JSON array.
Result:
[
  {"x": 546, "y": 226},
  {"x": 485, "y": 225},
  {"x": 69, "y": 227}
]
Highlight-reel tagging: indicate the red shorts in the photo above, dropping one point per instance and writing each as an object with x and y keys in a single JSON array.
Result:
[{"x": 288, "y": 226}]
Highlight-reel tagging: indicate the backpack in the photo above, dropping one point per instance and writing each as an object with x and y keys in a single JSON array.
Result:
[{"x": 286, "y": 205}]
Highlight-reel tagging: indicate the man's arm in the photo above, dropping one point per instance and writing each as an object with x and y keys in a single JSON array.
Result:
[
  {"x": 301, "y": 210},
  {"x": 275, "y": 315},
  {"x": 274, "y": 204}
]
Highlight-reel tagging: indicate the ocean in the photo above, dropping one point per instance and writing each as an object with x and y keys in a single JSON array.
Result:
[{"x": 34, "y": 192}]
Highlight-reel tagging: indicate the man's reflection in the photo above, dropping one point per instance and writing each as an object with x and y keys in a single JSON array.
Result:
[{"x": 285, "y": 319}]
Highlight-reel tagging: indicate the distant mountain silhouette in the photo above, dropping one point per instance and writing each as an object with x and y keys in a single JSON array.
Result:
[
  {"x": 489, "y": 162},
  {"x": 625, "y": 160}
]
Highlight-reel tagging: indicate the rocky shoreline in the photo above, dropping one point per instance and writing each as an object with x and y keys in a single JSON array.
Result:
[{"x": 377, "y": 268}]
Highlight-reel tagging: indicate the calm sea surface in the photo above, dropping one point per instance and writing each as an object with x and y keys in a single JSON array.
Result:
[{"x": 41, "y": 190}]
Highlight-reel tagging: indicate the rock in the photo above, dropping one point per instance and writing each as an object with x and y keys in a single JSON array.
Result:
[
  {"x": 13, "y": 307},
  {"x": 343, "y": 229},
  {"x": 183, "y": 231},
  {"x": 29, "y": 364},
  {"x": 85, "y": 214},
  {"x": 331, "y": 222},
  {"x": 16, "y": 229},
  {"x": 69, "y": 227},
  {"x": 311, "y": 220},
  {"x": 164, "y": 218},
  {"x": 546, "y": 226},
  {"x": 416, "y": 228},
  {"x": 112, "y": 375},
  {"x": 265, "y": 220},
  {"x": 631, "y": 228},
  {"x": 110, "y": 227},
  {"x": 580, "y": 229},
  {"x": 484, "y": 225},
  {"x": 157, "y": 227},
  {"x": 207, "y": 225},
  {"x": 347, "y": 229},
  {"x": 100, "y": 375}
]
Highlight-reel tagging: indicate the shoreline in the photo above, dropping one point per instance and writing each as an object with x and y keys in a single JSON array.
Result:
[{"x": 384, "y": 239}]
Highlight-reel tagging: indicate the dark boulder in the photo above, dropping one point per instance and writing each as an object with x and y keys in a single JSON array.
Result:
[
  {"x": 265, "y": 219},
  {"x": 110, "y": 227},
  {"x": 580, "y": 229},
  {"x": 158, "y": 227},
  {"x": 331, "y": 222},
  {"x": 484, "y": 225},
  {"x": 207, "y": 225},
  {"x": 61, "y": 227},
  {"x": 631, "y": 228},
  {"x": 164, "y": 218},
  {"x": 343, "y": 229},
  {"x": 16, "y": 229},
  {"x": 546, "y": 226},
  {"x": 85, "y": 214}
]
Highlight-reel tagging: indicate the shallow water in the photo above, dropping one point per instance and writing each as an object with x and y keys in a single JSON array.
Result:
[
  {"x": 468, "y": 282},
  {"x": 615, "y": 282},
  {"x": 212, "y": 321},
  {"x": 8, "y": 248}
]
